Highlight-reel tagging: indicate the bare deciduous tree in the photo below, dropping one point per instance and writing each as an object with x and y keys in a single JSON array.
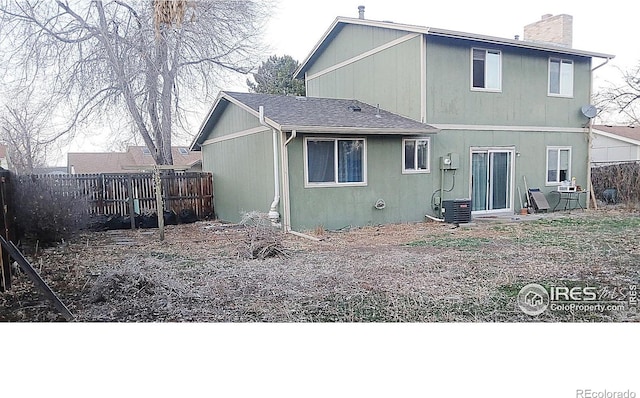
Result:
[
  {"x": 622, "y": 100},
  {"x": 24, "y": 128},
  {"x": 150, "y": 59}
]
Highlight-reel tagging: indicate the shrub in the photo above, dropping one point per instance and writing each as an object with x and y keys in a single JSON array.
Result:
[
  {"x": 623, "y": 177},
  {"x": 45, "y": 212}
]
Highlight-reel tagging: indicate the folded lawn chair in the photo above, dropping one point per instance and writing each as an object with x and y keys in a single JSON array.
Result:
[{"x": 537, "y": 199}]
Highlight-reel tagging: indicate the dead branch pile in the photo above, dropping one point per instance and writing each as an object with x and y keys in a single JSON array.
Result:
[
  {"x": 263, "y": 240},
  {"x": 623, "y": 177},
  {"x": 132, "y": 291},
  {"x": 119, "y": 285}
]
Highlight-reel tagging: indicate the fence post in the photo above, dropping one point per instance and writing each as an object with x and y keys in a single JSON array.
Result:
[
  {"x": 211, "y": 191},
  {"x": 100, "y": 182},
  {"x": 5, "y": 260},
  {"x": 132, "y": 214}
]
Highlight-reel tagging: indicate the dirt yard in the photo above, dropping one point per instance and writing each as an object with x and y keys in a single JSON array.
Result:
[{"x": 421, "y": 272}]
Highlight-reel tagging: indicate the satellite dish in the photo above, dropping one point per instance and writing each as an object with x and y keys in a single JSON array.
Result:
[{"x": 589, "y": 111}]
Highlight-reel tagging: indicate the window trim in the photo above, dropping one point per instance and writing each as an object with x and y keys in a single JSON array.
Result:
[
  {"x": 546, "y": 167},
  {"x": 417, "y": 171},
  {"x": 573, "y": 74},
  {"x": 484, "y": 89},
  {"x": 335, "y": 183}
]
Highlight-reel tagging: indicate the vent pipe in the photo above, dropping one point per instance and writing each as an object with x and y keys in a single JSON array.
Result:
[{"x": 361, "y": 12}]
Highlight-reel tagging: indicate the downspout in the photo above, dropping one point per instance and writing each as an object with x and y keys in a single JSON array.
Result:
[
  {"x": 273, "y": 215},
  {"x": 285, "y": 179},
  {"x": 286, "y": 224},
  {"x": 294, "y": 134},
  {"x": 590, "y": 137}
]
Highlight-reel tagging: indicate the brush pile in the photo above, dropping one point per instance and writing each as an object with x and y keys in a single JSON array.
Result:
[{"x": 262, "y": 240}]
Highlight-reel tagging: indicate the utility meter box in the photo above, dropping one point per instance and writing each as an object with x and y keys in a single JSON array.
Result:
[{"x": 450, "y": 162}]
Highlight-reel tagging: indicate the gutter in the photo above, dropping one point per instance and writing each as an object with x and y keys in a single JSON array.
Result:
[{"x": 285, "y": 179}]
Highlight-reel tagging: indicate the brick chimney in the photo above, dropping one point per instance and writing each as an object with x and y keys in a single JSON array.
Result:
[{"x": 554, "y": 29}]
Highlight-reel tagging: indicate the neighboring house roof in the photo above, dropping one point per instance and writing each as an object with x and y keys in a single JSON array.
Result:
[
  {"x": 628, "y": 134},
  {"x": 313, "y": 114},
  {"x": 120, "y": 162},
  {"x": 339, "y": 22},
  {"x": 181, "y": 156},
  {"x": 96, "y": 162},
  {"x": 50, "y": 170}
]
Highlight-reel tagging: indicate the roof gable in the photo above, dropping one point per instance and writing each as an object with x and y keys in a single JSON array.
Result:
[
  {"x": 340, "y": 22},
  {"x": 624, "y": 133},
  {"x": 313, "y": 114}
]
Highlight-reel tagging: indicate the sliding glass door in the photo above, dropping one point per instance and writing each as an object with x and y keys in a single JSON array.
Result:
[{"x": 491, "y": 179}]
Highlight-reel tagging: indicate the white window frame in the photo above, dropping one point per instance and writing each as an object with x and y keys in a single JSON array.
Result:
[
  {"x": 415, "y": 170},
  {"x": 560, "y": 80},
  {"x": 546, "y": 167},
  {"x": 335, "y": 182},
  {"x": 491, "y": 90}
]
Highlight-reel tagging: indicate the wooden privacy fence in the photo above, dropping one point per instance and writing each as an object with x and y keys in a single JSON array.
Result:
[{"x": 127, "y": 193}]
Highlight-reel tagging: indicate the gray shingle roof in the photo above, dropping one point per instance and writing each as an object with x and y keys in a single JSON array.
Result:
[
  {"x": 300, "y": 112},
  {"x": 312, "y": 114}
]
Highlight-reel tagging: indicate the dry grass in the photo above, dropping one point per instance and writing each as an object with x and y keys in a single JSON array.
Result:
[{"x": 418, "y": 272}]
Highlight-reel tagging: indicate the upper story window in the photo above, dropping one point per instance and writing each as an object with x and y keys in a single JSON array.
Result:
[
  {"x": 146, "y": 151},
  {"x": 183, "y": 151},
  {"x": 560, "y": 77},
  {"x": 486, "y": 70},
  {"x": 335, "y": 161},
  {"x": 415, "y": 155}
]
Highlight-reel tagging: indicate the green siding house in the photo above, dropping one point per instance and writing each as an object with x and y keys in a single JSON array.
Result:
[{"x": 399, "y": 118}]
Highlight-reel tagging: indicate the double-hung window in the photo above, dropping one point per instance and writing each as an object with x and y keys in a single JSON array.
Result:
[
  {"x": 486, "y": 70},
  {"x": 335, "y": 161},
  {"x": 560, "y": 77},
  {"x": 558, "y": 164},
  {"x": 415, "y": 155}
]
